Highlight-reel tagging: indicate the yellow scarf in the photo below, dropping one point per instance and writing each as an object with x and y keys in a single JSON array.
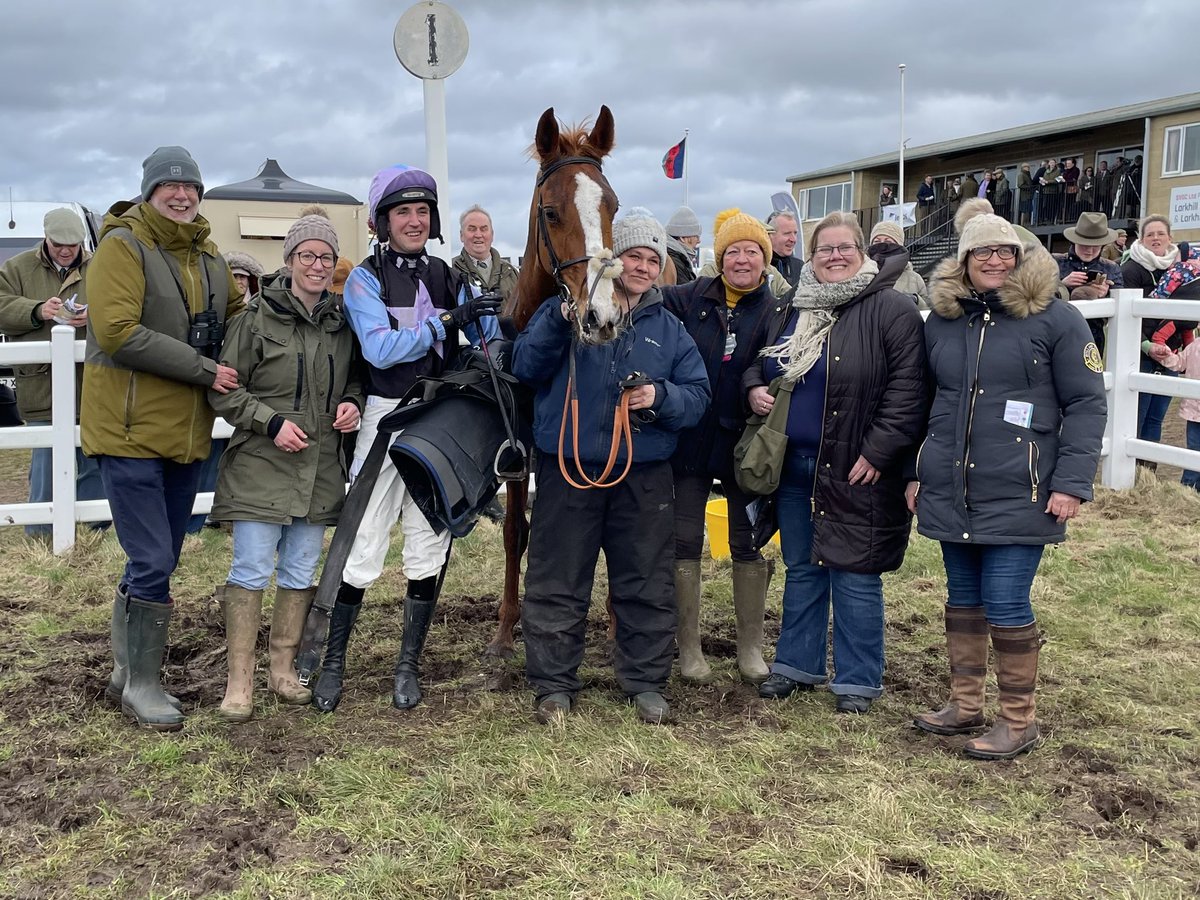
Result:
[{"x": 733, "y": 294}]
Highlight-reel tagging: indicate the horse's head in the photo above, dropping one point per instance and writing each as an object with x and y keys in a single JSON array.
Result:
[{"x": 570, "y": 228}]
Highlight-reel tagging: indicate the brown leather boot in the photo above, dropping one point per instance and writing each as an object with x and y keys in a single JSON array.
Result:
[
  {"x": 1015, "y": 730},
  {"x": 693, "y": 666},
  {"x": 749, "y": 605},
  {"x": 967, "y": 648},
  {"x": 287, "y": 628}
]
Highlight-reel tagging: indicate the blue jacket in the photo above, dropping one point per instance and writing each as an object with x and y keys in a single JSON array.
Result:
[{"x": 653, "y": 343}]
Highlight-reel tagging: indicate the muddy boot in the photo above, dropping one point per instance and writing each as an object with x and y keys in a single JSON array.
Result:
[
  {"x": 328, "y": 692},
  {"x": 749, "y": 604},
  {"x": 967, "y": 649},
  {"x": 693, "y": 666},
  {"x": 287, "y": 628},
  {"x": 116, "y": 681},
  {"x": 146, "y": 641},
  {"x": 1016, "y": 729},
  {"x": 243, "y": 610},
  {"x": 418, "y": 613}
]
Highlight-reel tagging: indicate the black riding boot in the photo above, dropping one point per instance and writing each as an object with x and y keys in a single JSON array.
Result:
[
  {"x": 418, "y": 613},
  {"x": 328, "y": 692}
]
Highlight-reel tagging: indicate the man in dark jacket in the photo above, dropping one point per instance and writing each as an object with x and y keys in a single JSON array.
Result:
[
  {"x": 784, "y": 232},
  {"x": 683, "y": 237},
  {"x": 654, "y": 363},
  {"x": 1084, "y": 275}
]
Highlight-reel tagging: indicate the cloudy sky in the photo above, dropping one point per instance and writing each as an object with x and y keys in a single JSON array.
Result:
[{"x": 768, "y": 89}]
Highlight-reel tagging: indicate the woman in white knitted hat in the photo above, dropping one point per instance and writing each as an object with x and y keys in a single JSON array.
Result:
[
  {"x": 282, "y": 479},
  {"x": 1010, "y": 453}
]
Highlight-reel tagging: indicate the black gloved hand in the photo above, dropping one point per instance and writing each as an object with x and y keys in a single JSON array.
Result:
[{"x": 463, "y": 315}]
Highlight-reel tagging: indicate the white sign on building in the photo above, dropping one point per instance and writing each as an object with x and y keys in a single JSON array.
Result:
[{"x": 1185, "y": 208}]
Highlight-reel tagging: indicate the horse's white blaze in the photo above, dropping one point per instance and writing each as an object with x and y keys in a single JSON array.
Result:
[{"x": 588, "y": 196}]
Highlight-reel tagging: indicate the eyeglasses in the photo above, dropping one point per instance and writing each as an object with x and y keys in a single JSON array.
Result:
[
  {"x": 307, "y": 258},
  {"x": 188, "y": 187},
  {"x": 983, "y": 254},
  {"x": 825, "y": 251}
]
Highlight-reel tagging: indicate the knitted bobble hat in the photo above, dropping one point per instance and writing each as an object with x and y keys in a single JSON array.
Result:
[
  {"x": 733, "y": 225},
  {"x": 310, "y": 228},
  {"x": 639, "y": 228}
]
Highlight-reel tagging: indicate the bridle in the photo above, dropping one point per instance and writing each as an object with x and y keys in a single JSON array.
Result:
[{"x": 621, "y": 427}]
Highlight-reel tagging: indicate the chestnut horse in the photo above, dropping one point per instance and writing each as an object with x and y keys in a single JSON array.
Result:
[{"x": 568, "y": 257}]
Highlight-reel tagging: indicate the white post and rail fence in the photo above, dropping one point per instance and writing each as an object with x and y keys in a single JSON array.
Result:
[{"x": 1120, "y": 452}]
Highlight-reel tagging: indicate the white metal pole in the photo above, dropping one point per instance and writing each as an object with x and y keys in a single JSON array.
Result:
[
  {"x": 437, "y": 159},
  {"x": 686, "y": 153},
  {"x": 62, "y": 441},
  {"x": 900, "y": 186}
]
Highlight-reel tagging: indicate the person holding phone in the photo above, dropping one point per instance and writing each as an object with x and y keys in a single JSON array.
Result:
[{"x": 1083, "y": 274}]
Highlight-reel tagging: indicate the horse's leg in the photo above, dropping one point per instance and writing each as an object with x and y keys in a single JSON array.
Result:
[{"x": 516, "y": 541}]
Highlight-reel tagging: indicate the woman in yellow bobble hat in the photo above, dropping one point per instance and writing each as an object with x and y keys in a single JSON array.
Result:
[{"x": 728, "y": 316}]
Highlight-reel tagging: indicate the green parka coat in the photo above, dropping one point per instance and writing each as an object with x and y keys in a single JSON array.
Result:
[{"x": 300, "y": 366}]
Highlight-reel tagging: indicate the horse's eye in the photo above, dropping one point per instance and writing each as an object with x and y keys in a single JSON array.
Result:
[{"x": 551, "y": 215}]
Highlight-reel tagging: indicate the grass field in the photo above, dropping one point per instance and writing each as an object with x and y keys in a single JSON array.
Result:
[{"x": 467, "y": 796}]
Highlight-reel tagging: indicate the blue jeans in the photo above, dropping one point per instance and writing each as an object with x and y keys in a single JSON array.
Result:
[
  {"x": 88, "y": 485},
  {"x": 1152, "y": 408},
  {"x": 1190, "y": 478},
  {"x": 807, "y": 591},
  {"x": 254, "y": 548},
  {"x": 997, "y": 577},
  {"x": 151, "y": 501},
  {"x": 208, "y": 480}
]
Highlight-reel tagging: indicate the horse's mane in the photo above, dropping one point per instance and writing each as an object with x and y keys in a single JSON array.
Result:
[{"x": 572, "y": 141}]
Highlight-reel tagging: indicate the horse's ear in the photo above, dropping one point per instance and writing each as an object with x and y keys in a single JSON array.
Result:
[
  {"x": 545, "y": 139},
  {"x": 603, "y": 136}
]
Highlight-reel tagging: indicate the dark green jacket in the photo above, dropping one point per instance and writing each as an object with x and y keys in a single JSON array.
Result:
[
  {"x": 299, "y": 366},
  {"x": 501, "y": 278},
  {"x": 27, "y": 281},
  {"x": 144, "y": 386}
]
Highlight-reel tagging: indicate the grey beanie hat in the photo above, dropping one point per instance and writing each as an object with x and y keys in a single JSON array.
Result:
[
  {"x": 639, "y": 228},
  {"x": 683, "y": 223},
  {"x": 169, "y": 164},
  {"x": 309, "y": 228},
  {"x": 888, "y": 228},
  {"x": 63, "y": 226}
]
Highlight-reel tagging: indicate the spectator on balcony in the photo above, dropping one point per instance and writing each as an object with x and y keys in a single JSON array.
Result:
[
  {"x": 954, "y": 194},
  {"x": 1001, "y": 194},
  {"x": 1087, "y": 190},
  {"x": 970, "y": 187},
  {"x": 1038, "y": 177},
  {"x": 887, "y": 240},
  {"x": 886, "y": 197},
  {"x": 1070, "y": 175},
  {"x": 985, "y": 191},
  {"x": 1084, "y": 275},
  {"x": 926, "y": 198},
  {"x": 1104, "y": 185},
  {"x": 1024, "y": 195},
  {"x": 1115, "y": 252},
  {"x": 34, "y": 288},
  {"x": 1051, "y": 182}
]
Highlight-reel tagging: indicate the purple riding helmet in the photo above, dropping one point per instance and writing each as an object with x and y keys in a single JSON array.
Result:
[{"x": 401, "y": 184}]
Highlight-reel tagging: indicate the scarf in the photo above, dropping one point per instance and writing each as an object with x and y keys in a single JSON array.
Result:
[
  {"x": 1145, "y": 258},
  {"x": 734, "y": 294},
  {"x": 818, "y": 304}
]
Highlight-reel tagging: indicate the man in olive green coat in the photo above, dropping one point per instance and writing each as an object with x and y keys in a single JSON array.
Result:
[
  {"x": 34, "y": 289},
  {"x": 479, "y": 264},
  {"x": 159, "y": 294}
]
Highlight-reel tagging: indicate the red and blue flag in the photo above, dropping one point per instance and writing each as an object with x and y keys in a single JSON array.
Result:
[{"x": 672, "y": 162}]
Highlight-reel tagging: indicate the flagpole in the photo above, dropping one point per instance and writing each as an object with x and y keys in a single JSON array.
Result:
[{"x": 686, "y": 154}]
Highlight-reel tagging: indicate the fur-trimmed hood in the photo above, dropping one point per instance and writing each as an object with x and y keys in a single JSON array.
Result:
[{"x": 1031, "y": 287}]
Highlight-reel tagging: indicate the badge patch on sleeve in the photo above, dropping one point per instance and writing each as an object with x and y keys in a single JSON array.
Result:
[{"x": 1091, "y": 357}]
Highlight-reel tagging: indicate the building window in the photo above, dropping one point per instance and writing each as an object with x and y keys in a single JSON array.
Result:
[
  {"x": 1181, "y": 150},
  {"x": 816, "y": 203}
]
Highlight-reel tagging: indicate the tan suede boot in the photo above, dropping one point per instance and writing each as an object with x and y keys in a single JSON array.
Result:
[
  {"x": 749, "y": 604},
  {"x": 1016, "y": 729},
  {"x": 243, "y": 610},
  {"x": 693, "y": 666},
  {"x": 967, "y": 648},
  {"x": 287, "y": 628}
]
